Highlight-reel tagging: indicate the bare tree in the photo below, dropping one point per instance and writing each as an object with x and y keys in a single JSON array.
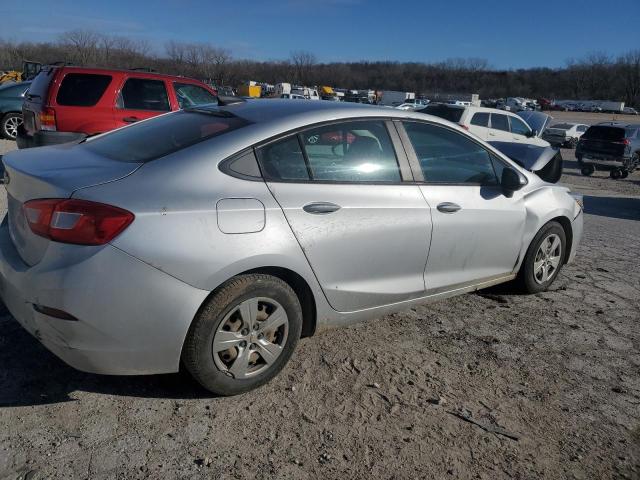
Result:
[
  {"x": 303, "y": 63},
  {"x": 85, "y": 44}
]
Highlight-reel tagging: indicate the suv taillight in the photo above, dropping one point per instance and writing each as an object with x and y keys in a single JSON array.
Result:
[
  {"x": 626, "y": 141},
  {"x": 76, "y": 221},
  {"x": 48, "y": 119}
]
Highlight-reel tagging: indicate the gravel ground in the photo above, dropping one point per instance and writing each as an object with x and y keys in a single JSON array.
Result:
[{"x": 551, "y": 382}]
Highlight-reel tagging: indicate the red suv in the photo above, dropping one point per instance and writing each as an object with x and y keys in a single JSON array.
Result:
[{"x": 66, "y": 104}]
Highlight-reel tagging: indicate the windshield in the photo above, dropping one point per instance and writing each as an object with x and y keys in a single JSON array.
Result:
[{"x": 163, "y": 135}]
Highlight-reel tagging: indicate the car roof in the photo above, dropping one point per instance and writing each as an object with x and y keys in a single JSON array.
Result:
[
  {"x": 617, "y": 124},
  {"x": 101, "y": 70},
  {"x": 309, "y": 111}
]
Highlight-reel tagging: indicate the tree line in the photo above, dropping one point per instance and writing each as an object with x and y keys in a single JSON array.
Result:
[{"x": 598, "y": 76}]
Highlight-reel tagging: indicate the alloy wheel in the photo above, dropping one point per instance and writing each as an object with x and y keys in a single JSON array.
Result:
[
  {"x": 547, "y": 259},
  {"x": 250, "y": 338},
  {"x": 11, "y": 125}
]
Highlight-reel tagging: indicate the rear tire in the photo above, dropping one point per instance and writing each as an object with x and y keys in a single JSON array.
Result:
[
  {"x": 544, "y": 259},
  {"x": 573, "y": 143},
  {"x": 587, "y": 170},
  {"x": 625, "y": 174},
  {"x": 9, "y": 125},
  {"x": 230, "y": 347},
  {"x": 616, "y": 173}
]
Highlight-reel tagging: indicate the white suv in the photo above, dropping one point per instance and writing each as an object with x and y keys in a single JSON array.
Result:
[{"x": 489, "y": 124}]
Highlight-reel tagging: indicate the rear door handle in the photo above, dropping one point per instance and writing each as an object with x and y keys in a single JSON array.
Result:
[
  {"x": 448, "y": 207},
  {"x": 130, "y": 119},
  {"x": 321, "y": 208}
]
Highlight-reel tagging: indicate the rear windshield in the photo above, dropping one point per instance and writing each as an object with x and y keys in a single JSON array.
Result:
[
  {"x": 451, "y": 113},
  {"x": 82, "y": 89},
  {"x": 163, "y": 135},
  {"x": 562, "y": 126},
  {"x": 40, "y": 85},
  {"x": 610, "y": 134}
]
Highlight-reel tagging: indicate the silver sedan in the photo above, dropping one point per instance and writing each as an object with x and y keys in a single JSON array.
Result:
[{"x": 217, "y": 236}]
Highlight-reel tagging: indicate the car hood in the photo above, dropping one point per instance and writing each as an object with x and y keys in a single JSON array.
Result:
[
  {"x": 546, "y": 162},
  {"x": 537, "y": 120}
]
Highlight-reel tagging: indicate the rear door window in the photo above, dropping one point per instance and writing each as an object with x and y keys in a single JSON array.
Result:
[
  {"x": 163, "y": 135},
  {"x": 357, "y": 151},
  {"x": 481, "y": 119},
  {"x": 144, "y": 94},
  {"x": 518, "y": 126},
  {"x": 499, "y": 122},
  {"x": 189, "y": 95},
  {"x": 283, "y": 160},
  {"x": 82, "y": 89}
]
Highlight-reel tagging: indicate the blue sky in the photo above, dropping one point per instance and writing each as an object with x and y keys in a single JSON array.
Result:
[{"x": 508, "y": 33}]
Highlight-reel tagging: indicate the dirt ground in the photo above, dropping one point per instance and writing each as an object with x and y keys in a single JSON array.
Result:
[{"x": 550, "y": 382}]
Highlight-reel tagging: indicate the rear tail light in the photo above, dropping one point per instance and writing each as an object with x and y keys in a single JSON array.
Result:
[
  {"x": 48, "y": 119},
  {"x": 76, "y": 221},
  {"x": 626, "y": 141}
]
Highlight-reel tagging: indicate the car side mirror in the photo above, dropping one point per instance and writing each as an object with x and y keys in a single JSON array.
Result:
[
  {"x": 511, "y": 181},
  {"x": 532, "y": 133}
]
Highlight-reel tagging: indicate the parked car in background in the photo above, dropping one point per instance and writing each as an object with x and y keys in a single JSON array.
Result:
[
  {"x": 630, "y": 111},
  {"x": 66, "y": 104},
  {"x": 565, "y": 134},
  {"x": 11, "y": 98},
  {"x": 276, "y": 220},
  {"x": 614, "y": 146},
  {"x": 489, "y": 124}
]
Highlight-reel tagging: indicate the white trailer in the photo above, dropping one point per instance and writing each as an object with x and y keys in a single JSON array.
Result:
[{"x": 393, "y": 98}]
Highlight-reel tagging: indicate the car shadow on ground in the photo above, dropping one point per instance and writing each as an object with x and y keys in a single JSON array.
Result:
[
  {"x": 31, "y": 375},
  {"x": 614, "y": 207}
]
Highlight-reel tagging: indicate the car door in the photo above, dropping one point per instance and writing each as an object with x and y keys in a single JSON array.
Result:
[
  {"x": 499, "y": 130},
  {"x": 477, "y": 230},
  {"x": 520, "y": 131},
  {"x": 364, "y": 230},
  {"x": 140, "y": 98}
]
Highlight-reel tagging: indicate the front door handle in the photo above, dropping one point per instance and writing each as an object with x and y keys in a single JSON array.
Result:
[
  {"x": 321, "y": 208},
  {"x": 130, "y": 119},
  {"x": 449, "y": 207}
]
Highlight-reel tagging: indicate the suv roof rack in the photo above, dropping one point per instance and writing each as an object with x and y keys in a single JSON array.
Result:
[
  {"x": 143, "y": 69},
  {"x": 224, "y": 100}
]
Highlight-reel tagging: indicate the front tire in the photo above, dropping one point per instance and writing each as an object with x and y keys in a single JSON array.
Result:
[
  {"x": 244, "y": 334},
  {"x": 9, "y": 125},
  {"x": 544, "y": 259}
]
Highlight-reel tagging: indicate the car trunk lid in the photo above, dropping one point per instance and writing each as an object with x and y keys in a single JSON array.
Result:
[{"x": 51, "y": 172}]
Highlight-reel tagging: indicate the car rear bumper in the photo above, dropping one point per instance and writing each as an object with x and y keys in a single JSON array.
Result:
[
  {"x": 44, "y": 138},
  {"x": 131, "y": 318},
  {"x": 605, "y": 162}
]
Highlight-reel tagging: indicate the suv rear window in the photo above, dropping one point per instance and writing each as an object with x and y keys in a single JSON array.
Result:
[
  {"x": 448, "y": 112},
  {"x": 40, "y": 85},
  {"x": 82, "y": 89},
  {"x": 608, "y": 134},
  {"x": 160, "y": 136}
]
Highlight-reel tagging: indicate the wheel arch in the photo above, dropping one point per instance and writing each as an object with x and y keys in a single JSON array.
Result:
[
  {"x": 301, "y": 289},
  {"x": 565, "y": 223},
  {"x": 300, "y": 286}
]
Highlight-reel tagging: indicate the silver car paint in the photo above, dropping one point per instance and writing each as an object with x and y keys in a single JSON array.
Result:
[{"x": 178, "y": 253}]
